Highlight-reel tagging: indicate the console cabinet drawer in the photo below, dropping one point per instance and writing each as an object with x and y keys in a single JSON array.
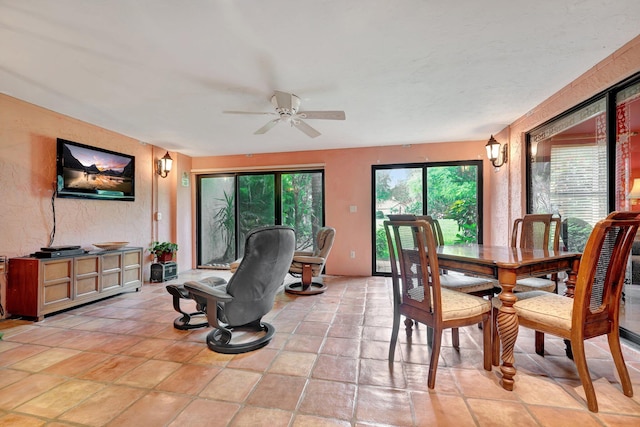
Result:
[
  {"x": 56, "y": 286},
  {"x": 87, "y": 271}
]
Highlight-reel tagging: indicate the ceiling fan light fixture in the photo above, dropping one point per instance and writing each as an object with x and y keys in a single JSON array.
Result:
[{"x": 287, "y": 108}]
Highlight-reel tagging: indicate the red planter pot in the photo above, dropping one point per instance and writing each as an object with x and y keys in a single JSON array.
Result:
[{"x": 165, "y": 257}]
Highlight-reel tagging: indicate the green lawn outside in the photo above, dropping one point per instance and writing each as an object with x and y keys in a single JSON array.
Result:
[{"x": 449, "y": 230}]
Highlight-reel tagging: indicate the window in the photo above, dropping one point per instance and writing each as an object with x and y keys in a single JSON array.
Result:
[{"x": 568, "y": 171}]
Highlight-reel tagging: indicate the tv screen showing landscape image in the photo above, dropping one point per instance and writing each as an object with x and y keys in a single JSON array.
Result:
[{"x": 95, "y": 173}]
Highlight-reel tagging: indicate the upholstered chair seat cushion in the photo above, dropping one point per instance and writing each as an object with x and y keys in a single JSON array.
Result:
[
  {"x": 547, "y": 309},
  {"x": 300, "y": 258},
  {"x": 455, "y": 305},
  {"x": 521, "y": 296},
  {"x": 233, "y": 266},
  {"x": 535, "y": 284},
  {"x": 466, "y": 284},
  {"x": 458, "y": 305}
]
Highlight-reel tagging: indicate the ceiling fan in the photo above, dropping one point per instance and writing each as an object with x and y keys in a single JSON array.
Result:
[{"x": 287, "y": 107}]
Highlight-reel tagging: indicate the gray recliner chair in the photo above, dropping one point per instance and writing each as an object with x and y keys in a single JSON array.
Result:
[{"x": 240, "y": 304}]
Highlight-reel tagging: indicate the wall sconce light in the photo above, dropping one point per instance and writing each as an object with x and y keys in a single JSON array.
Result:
[
  {"x": 634, "y": 194},
  {"x": 493, "y": 152},
  {"x": 164, "y": 165}
]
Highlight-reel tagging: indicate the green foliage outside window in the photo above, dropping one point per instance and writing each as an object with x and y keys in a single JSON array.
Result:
[
  {"x": 452, "y": 194},
  {"x": 224, "y": 220},
  {"x": 382, "y": 247}
]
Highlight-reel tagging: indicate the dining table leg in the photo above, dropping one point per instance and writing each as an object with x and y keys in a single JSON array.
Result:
[
  {"x": 571, "y": 279},
  {"x": 507, "y": 326}
]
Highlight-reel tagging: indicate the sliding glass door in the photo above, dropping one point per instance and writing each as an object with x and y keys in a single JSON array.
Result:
[
  {"x": 229, "y": 206},
  {"x": 627, "y": 178},
  {"x": 450, "y": 192},
  {"x": 568, "y": 171},
  {"x": 303, "y": 205},
  {"x": 216, "y": 220},
  {"x": 256, "y": 204},
  {"x": 583, "y": 165}
]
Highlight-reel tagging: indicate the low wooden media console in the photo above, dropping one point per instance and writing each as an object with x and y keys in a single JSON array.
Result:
[{"x": 40, "y": 286}]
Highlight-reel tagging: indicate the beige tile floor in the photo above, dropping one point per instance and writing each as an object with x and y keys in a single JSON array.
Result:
[{"x": 120, "y": 362}]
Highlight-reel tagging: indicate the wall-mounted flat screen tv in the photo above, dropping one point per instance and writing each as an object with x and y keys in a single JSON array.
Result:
[{"x": 94, "y": 173}]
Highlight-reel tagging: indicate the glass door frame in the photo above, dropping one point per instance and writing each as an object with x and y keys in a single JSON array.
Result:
[
  {"x": 277, "y": 199},
  {"x": 611, "y": 123},
  {"x": 479, "y": 164}
]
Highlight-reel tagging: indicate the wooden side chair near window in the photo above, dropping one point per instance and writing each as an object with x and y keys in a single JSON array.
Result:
[
  {"x": 418, "y": 295},
  {"x": 595, "y": 308},
  {"x": 459, "y": 282},
  {"x": 532, "y": 231},
  {"x": 456, "y": 282}
]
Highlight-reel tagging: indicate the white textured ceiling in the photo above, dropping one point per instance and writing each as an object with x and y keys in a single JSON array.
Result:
[{"x": 404, "y": 71}]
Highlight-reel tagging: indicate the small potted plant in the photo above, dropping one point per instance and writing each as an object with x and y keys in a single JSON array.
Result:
[{"x": 163, "y": 251}]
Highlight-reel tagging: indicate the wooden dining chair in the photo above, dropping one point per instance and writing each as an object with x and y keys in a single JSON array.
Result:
[
  {"x": 456, "y": 282},
  {"x": 471, "y": 285},
  {"x": 594, "y": 310},
  {"x": 534, "y": 231},
  {"x": 417, "y": 293},
  {"x": 459, "y": 282}
]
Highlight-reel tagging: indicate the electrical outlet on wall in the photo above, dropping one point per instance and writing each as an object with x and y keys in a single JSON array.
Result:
[{"x": 352, "y": 254}]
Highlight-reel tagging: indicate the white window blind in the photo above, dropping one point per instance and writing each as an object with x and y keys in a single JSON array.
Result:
[{"x": 578, "y": 181}]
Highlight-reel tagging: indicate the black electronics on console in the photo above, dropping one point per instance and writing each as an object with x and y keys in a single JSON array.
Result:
[
  {"x": 59, "y": 248},
  {"x": 58, "y": 253}
]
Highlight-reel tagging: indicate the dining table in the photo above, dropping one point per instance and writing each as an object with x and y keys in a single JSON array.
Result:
[{"x": 506, "y": 264}]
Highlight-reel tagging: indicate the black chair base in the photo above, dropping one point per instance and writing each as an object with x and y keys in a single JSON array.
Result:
[
  {"x": 219, "y": 340},
  {"x": 299, "y": 288},
  {"x": 184, "y": 322}
]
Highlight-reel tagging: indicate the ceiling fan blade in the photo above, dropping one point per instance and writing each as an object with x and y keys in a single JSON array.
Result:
[
  {"x": 311, "y": 132},
  {"x": 266, "y": 127},
  {"x": 246, "y": 112},
  {"x": 283, "y": 99},
  {"x": 326, "y": 115}
]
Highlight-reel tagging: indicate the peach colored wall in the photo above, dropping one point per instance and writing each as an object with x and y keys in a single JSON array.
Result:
[
  {"x": 183, "y": 212},
  {"x": 348, "y": 182},
  {"x": 27, "y": 172},
  {"x": 511, "y": 185},
  {"x": 173, "y": 201}
]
